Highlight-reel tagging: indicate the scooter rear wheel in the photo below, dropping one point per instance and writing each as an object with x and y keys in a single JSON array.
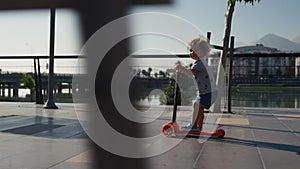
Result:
[{"x": 221, "y": 133}]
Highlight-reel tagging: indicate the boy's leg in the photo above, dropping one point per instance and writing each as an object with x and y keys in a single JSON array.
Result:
[
  {"x": 195, "y": 113},
  {"x": 198, "y": 114},
  {"x": 194, "y": 120},
  {"x": 200, "y": 117}
]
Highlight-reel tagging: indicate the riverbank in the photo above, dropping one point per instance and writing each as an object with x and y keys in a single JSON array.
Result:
[
  {"x": 265, "y": 88},
  {"x": 58, "y": 97}
]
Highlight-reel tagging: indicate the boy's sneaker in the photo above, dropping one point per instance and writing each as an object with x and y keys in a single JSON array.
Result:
[{"x": 191, "y": 127}]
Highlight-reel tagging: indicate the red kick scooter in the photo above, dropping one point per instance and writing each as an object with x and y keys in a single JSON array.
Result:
[{"x": 174, "y": 128}]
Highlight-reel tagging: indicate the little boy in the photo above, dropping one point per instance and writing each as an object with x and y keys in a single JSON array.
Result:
[{"x": 199, "y": 51}]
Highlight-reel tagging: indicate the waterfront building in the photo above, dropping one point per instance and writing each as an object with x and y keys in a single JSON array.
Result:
[{"x": 261, "y": 64}]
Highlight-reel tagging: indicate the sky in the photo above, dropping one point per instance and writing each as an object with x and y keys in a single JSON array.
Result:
[
  {"x": 250, "y": 23},
  {"x": 27, "y": 32}
]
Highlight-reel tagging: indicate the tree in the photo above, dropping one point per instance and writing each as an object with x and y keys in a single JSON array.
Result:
[
  {"x": 162, "y": 74},
  {"x": 228, "y": 22},
  {"x": 149, "y": 71},
  {"x": 144, "y": 73},
  {"x": 226, "y": 38},
  {"x": 29, "y": 83}
]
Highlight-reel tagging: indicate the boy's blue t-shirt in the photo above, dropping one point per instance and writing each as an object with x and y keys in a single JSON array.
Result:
[{"x": 204, "y": 78}]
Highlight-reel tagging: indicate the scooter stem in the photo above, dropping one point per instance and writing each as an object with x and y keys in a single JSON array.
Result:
[{"x": 175, "y": 98}]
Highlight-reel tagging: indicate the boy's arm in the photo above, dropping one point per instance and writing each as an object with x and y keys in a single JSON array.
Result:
[{"x": 188, "y": 72}]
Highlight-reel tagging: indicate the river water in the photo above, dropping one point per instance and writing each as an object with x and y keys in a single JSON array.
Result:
[
  {"x": 288, "y": 97},
  {"x": 281, "y": 98}
]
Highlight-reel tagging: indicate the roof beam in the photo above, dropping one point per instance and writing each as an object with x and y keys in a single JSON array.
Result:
[
  {"x": 151, "y": 2},
  {"x": 40, "y": 4},
  {"x": 36, "y": 4}
]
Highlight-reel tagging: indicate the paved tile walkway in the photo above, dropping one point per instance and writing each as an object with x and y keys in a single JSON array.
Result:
[
  {"x": 35, "y": 138},
  {"x": 256, "y": 138}
]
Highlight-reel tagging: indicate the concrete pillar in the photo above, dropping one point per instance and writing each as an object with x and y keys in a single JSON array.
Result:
[
  {"x": 70, "y": 88},
  {"x": 16, "y": 91},
  {"x": 9, "y": 90},
  {"x": 3, "y": 89},
  {"x": 59, "y": 88}
]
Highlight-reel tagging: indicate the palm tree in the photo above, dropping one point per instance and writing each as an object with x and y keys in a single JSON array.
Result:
[
  {"x": 228, "y": 22},
  {"x": 162, "y": 74},
  {"x": 144, "y": 73},
  {"x": 149, "y": 71},
  {"x": 226, "y": 37}
]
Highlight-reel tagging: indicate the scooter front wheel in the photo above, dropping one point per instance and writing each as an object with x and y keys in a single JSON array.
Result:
[{"x": 168, "y": 129}]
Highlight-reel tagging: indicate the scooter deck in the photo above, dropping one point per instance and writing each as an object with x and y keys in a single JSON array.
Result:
[
  {"x": 174, "y": 128},
  {"x": 219, "y": 133}
]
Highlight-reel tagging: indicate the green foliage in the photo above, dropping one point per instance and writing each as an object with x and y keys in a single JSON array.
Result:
[
  {"x": 169, "y": 93},
  {"x": 28, "y": 81},
  {"x": 186, "y": 93},
  {"x": 232, "y": 2}
]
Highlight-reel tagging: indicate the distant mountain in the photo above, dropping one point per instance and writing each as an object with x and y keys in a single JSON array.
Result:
[
  {"x": 296, "y": 39},
  {"x": 275, "y": 41},
  {"x": 239, "y": 44}
]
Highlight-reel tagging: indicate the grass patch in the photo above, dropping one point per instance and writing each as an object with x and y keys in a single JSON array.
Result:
[{"x": 260, "y": 85}]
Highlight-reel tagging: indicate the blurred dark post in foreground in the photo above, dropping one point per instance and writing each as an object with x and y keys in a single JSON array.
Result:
[{"x": 96, "y": 14}]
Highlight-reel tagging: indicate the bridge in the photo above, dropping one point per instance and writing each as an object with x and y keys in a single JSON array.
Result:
[{"x": 12, "y": 82}]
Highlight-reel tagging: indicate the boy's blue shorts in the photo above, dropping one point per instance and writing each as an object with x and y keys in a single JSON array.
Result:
[{"x": 207, "y": 99}]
